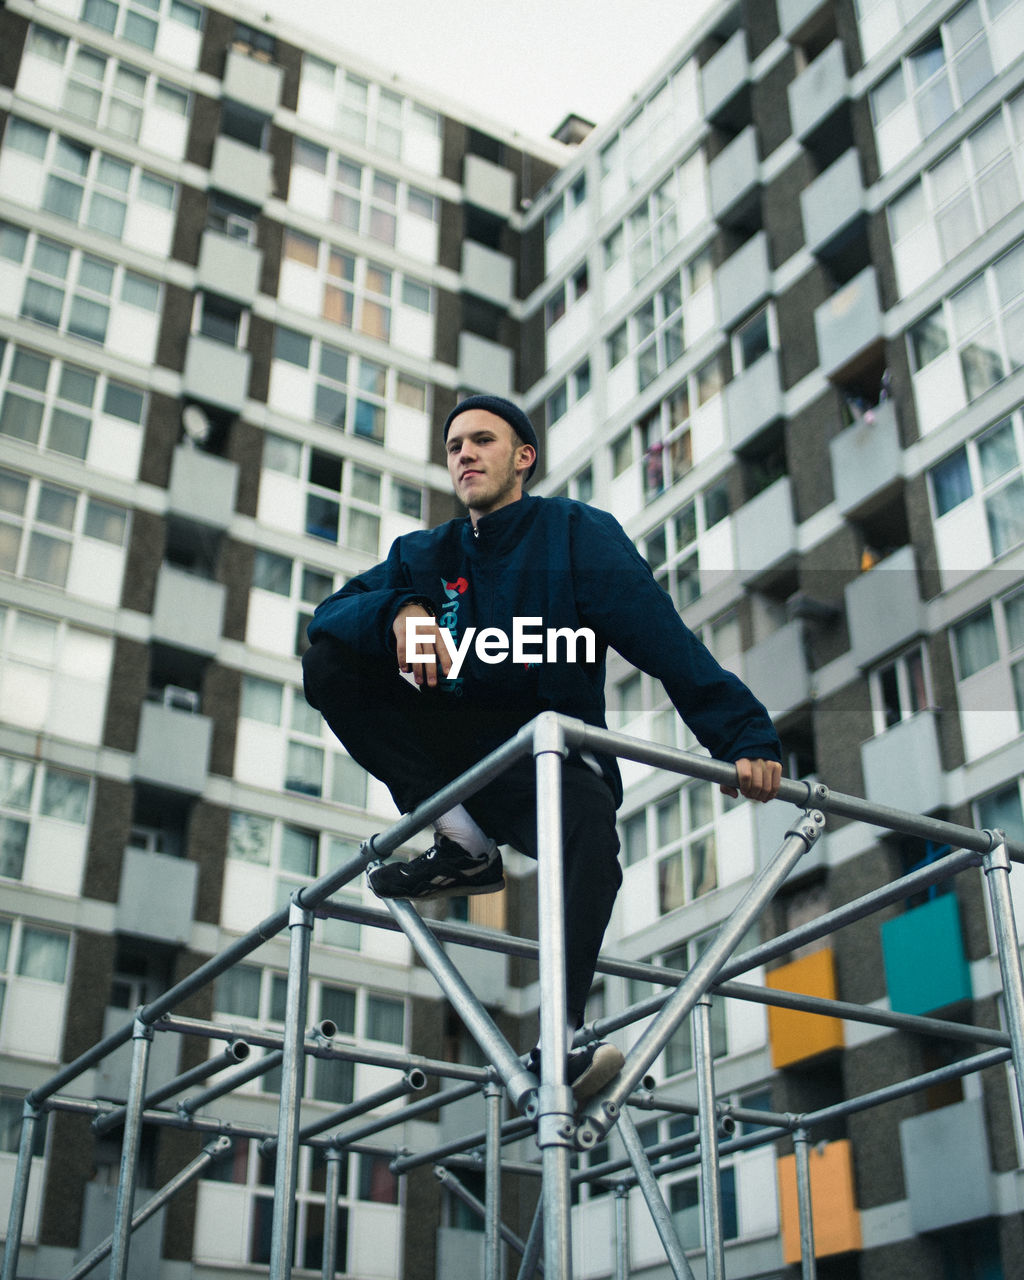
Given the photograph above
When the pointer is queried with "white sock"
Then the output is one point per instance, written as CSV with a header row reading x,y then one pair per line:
x,y
458,825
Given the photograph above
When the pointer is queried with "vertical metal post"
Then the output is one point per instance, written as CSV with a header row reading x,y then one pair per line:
x,y
621,1233
300,924
651,1192
555,1105
19,1195
710,1174
493,1095
997,872
131,1138
332,1194
801,1146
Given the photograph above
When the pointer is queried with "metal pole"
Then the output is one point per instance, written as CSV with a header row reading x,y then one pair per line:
x,y
651,1192
19,1195
710,1175
213,1151
621,1232
237,1051
555,1102
286,1173
451,1183
332,1194
601,1112
801,1146
477,1020
493,1094
189,1106
142,1040
531,1263
997,873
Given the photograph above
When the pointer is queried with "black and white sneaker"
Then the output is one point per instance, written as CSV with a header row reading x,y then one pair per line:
x,y
588,1068
444,871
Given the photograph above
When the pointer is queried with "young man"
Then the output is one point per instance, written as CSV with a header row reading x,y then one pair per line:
x,y
524,568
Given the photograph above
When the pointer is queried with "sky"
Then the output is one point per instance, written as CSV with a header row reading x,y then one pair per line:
x,y
523,63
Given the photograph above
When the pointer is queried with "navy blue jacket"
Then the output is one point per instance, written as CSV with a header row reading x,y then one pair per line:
x,y
572,566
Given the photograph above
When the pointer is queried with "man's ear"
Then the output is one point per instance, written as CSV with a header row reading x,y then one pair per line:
x,y
526,455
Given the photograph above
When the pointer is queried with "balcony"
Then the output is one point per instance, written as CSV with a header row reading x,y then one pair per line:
x,y
884,608
765,530
923,952
216,373
833,204
484,365
929,1142
157,895
252,81
793,14
795,1036
753,400
202,487
229,267
488,185
902,766
776,669
188,611
113,1072
848,322
816,94
173,749
866,458
743,280
725,75
487,273
734,177
241,170
834,1214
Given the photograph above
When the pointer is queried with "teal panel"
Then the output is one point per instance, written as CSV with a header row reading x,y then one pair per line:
x,y
923,950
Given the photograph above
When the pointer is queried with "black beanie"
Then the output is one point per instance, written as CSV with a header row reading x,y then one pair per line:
x,y
505,410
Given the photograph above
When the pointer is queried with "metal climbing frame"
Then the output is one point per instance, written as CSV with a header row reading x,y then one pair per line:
x,y
545,1109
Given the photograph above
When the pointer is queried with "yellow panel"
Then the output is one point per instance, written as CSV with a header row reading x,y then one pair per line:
x,y
833,1209
795,1036
488,910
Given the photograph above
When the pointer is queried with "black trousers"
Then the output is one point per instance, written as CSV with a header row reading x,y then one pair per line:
x,y
417,740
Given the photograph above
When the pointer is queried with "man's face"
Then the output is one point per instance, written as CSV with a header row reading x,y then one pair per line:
x,y
486,460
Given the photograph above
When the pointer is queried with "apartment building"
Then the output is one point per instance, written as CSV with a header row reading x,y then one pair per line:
x,y
768,315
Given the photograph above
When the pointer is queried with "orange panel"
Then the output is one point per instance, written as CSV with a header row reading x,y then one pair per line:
x,y
833,1209
795,1036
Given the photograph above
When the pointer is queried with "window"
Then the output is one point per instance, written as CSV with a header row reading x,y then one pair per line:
x,y
899,689
567,394
349,392
1002,810
944,71
657,329
74,291
986,473
678,832
351,291
666,441
752,339
369,114
653,229
29,792
41,523
277,575
963,195
222,319
86,185
990,635
137,21
982,322
244,124
294,857
305,758
233,218
55,404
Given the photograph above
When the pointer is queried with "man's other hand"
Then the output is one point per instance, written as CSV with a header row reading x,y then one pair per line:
x,y
428,642
756,779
